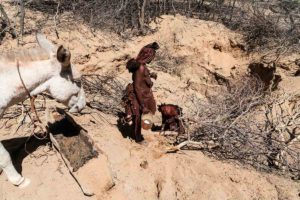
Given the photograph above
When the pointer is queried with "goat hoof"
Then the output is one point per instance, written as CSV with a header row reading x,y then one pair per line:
x,y
24,183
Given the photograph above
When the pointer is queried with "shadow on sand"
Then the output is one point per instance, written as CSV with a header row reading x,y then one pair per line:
x,y
16,148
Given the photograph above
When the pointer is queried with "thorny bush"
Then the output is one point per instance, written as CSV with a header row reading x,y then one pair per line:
x,y
249,125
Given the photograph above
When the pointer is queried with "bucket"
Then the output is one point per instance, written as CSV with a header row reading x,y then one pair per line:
x,y
147,122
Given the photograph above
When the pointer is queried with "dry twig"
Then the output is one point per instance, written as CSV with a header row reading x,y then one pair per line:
x,y
104,93
249,125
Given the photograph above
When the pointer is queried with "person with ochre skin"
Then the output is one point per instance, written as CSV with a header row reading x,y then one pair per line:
x,y
171,115
139,97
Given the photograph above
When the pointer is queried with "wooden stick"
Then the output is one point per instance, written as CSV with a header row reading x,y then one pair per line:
x,y
200,145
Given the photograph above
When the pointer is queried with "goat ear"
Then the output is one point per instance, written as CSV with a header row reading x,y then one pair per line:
x,y
63,56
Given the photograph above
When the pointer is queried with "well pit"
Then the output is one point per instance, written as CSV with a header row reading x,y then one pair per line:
x,y
74,143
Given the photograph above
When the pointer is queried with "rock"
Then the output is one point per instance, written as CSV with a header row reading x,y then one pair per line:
x,y
144,164
218,46
235,44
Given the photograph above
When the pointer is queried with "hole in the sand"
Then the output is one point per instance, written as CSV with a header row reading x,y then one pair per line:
x,y
73,142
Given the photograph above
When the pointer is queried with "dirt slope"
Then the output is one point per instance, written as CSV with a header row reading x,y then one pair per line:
x,y
145,171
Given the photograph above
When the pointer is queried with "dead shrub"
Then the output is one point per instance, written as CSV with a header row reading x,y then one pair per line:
x,y
248,125
104,93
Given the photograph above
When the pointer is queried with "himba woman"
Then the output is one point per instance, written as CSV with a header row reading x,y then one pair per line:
x,y
139,99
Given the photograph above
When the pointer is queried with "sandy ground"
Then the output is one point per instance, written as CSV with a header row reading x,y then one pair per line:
x,y
145,171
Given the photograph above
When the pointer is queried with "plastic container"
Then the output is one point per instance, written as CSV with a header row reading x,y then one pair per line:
x,y
147,124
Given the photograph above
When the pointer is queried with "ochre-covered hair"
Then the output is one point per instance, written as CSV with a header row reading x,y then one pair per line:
x,y
147,53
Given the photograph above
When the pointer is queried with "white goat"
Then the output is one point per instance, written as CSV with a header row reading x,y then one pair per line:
x,y
55,74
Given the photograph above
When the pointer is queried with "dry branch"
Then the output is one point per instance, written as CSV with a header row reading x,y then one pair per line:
x,y
248,125
6,25
104,93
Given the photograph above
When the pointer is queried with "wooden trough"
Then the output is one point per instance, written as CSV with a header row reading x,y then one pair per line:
x,y
86,163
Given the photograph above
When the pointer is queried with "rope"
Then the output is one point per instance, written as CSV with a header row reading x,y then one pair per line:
x,y
33,108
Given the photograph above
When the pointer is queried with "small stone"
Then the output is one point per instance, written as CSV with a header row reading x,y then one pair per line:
x,y
233,43
218,46
144,164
